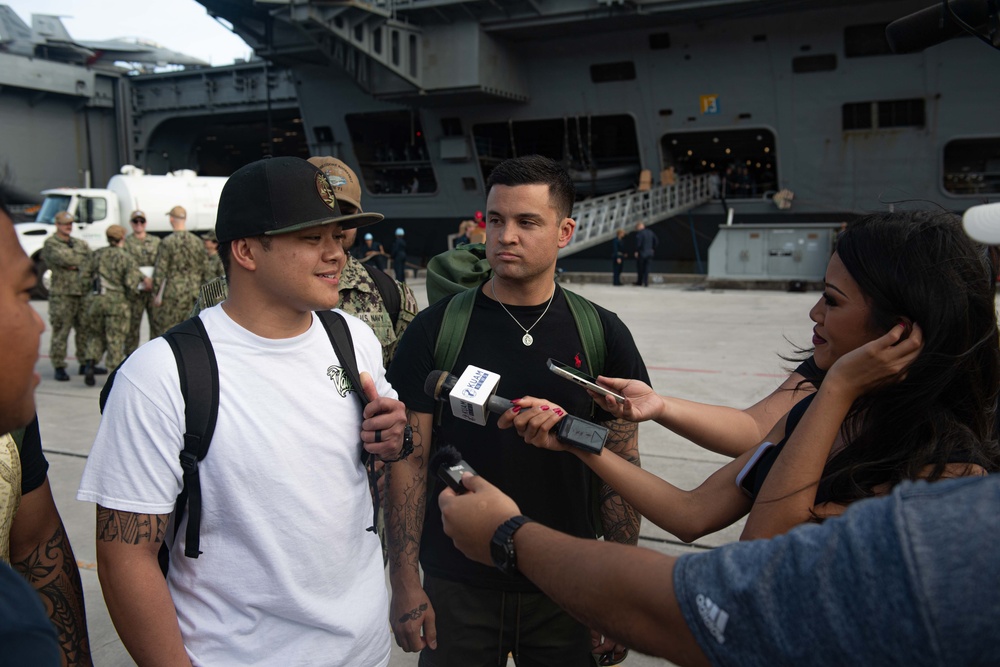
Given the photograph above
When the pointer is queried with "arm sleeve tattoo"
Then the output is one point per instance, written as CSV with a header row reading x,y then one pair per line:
x,y
52,570
130,528
621,522
407,484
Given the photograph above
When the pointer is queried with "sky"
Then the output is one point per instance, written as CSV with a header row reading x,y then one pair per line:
x,y
179,25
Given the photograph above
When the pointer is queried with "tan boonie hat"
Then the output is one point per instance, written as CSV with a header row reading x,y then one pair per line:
x,y
115,233
342,179
178,212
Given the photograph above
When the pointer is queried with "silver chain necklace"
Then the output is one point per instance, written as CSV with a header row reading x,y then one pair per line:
x,y
526,339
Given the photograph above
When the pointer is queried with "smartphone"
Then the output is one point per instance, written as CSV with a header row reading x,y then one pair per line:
x,y
582,379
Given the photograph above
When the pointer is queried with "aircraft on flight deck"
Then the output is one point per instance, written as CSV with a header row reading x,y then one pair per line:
x,y
47,37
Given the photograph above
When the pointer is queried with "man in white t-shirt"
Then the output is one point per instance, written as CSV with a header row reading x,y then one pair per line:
x,y
289,573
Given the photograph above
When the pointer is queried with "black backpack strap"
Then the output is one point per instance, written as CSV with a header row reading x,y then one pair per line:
x,y
340,336
199,383
389,290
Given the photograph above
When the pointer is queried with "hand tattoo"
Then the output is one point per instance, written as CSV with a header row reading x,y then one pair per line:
x,y
413,614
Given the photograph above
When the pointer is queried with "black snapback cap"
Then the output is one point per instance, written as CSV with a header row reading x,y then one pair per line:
x,y
279,195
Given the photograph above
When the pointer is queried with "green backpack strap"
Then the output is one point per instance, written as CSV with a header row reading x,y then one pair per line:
x,y
451,335
591,330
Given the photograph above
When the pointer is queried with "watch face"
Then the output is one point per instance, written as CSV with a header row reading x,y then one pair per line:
x,y
498,554
502,554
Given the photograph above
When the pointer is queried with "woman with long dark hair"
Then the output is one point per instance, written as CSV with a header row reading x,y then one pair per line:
x,y
906,332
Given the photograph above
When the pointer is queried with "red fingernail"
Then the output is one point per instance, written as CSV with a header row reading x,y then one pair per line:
x,y
558,412
516,401
515,409
545,407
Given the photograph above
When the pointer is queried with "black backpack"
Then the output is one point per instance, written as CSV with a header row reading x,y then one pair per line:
x,y
199,384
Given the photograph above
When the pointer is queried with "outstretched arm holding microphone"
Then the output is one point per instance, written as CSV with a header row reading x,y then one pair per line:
x,y
718,428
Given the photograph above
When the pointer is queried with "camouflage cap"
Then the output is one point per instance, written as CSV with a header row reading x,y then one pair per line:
x,y
210,236
137,213
342,179
178,212
115,233
63,217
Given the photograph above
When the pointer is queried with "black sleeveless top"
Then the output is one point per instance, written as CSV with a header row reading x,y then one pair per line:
x,y
751,478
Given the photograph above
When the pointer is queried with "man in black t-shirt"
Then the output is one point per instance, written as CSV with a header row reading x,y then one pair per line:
x,y
466,613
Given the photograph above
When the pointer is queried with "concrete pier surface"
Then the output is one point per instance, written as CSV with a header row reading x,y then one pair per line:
x,y
716,346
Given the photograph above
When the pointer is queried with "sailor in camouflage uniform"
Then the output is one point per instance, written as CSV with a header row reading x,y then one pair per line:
x,y
359,294
215,269
180,269
69,259
143,249
116,276
360,297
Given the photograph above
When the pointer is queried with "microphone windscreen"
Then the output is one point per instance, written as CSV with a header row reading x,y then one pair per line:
x,y
444,456
448,466
439,384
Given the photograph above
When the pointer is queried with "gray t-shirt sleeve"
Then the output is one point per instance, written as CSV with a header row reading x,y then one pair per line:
x,y
907,580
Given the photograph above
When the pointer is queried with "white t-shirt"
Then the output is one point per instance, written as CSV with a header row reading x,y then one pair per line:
x,y
288,574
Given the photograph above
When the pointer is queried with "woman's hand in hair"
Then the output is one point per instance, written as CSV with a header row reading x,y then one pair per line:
x,y
641,402
877,362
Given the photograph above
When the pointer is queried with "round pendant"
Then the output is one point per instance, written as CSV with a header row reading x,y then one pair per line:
x,y
527,340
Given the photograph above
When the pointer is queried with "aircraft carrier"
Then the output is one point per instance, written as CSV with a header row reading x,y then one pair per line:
x,y
803,100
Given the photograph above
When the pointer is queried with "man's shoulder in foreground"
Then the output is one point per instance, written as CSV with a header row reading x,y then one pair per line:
x,y
893,580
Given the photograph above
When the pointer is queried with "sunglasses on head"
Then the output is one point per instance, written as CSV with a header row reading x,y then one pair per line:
x,y
139,221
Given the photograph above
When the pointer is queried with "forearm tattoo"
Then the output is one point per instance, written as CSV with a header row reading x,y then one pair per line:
x,y
52,570
621,522
407,501
130,528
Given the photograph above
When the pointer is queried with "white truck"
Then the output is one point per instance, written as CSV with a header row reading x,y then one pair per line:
x,y
95,209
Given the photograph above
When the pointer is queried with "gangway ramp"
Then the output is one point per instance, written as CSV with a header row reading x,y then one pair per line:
x,y
599,219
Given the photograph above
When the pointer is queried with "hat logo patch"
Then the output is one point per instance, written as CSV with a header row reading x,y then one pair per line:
x,y
325,190
336,180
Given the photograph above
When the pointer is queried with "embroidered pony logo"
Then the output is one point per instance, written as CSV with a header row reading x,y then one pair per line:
x,y
577,360
340,380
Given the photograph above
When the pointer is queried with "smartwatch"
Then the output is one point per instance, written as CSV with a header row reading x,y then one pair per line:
x,y
502,544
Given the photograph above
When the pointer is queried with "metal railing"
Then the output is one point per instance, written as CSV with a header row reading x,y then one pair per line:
x,y
599,219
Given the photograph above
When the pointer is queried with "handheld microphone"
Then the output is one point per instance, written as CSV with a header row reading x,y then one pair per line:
x,y
472,397
448,465
475,396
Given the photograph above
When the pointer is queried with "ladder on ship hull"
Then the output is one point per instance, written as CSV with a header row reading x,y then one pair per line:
x,y
599,219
